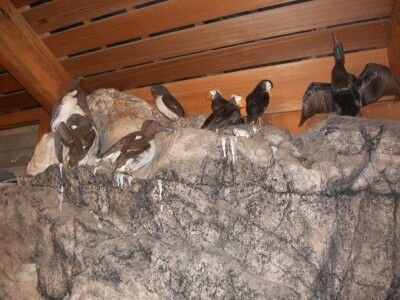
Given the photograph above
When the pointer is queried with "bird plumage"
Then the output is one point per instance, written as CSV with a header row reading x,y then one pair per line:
x,y
347,94
257,101
166,103
217,100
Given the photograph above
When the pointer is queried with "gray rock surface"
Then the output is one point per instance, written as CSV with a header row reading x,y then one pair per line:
x,y
273,216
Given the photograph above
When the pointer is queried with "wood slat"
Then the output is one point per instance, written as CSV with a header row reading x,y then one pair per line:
x,y
394,40
14,102
44,123
360,36
387,110
57,14
20,3
142,22
284,20
18,119
9,83
290,82
28,59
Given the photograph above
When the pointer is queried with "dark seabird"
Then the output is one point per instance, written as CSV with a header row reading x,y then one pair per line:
x,y
347,94
217,100
166,103
227,115
134,150
257,101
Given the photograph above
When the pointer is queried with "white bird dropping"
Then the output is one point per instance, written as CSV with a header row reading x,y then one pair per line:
x,y
61,197
223,142
160,191
61,167
233,150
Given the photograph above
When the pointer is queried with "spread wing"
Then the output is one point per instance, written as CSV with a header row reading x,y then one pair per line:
x,y
317,99
377,81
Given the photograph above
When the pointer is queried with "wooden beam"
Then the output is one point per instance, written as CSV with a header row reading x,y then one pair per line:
x,y
393,44
28,59
44,123
315,43
9,84
22,118
20,3
17,101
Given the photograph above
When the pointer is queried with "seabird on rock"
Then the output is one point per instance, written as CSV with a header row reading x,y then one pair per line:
x,y
166,103
228,114
134,150
257,101
347,94
217,100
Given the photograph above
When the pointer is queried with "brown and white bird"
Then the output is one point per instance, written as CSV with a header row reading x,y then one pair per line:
x,y
347,94
166,103
228,114
217,100
257,101
134,150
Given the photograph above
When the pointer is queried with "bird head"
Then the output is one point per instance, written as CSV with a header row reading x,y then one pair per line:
x,y
214,94
266,85
150,128
338,50
158,90
238,100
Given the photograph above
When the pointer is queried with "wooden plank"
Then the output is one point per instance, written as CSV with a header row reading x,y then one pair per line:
x,y
57,14
28,59
394,40
8,83
387,110
20,3
19,141
16,158
44,123
316,43
290,82
18,119
284,20
17,101
152,19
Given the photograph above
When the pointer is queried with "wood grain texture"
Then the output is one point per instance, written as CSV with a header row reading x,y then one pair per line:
x,y
20,3
28,59
8,83
14,102
60,13
316,43
386,110
284,20
290,82
22,118
152,19
394,40
44,123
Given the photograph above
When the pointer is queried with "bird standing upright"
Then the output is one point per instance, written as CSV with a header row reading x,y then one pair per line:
x,y
347,94
217,100
228,114
166,103
257,101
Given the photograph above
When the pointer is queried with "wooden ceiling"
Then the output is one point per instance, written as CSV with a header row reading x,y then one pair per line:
x,y
194,45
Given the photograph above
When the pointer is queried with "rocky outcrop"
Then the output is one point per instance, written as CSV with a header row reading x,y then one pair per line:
x,y
216,216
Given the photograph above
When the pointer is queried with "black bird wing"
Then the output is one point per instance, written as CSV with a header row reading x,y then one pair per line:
x,y
228,114
118,146
317,99
218,102
256,104
131,149
172,104
375,82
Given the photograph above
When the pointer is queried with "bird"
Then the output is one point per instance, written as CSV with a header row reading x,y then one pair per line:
x,y
134,150
257,101
347,94
217,100
166,103
76,139
228,114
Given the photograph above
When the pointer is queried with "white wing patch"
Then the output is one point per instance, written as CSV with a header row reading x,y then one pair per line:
x,y
133,164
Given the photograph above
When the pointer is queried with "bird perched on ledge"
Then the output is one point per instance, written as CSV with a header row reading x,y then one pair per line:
x,y
217,100
228,114
257,101
166,103
134,150
347,94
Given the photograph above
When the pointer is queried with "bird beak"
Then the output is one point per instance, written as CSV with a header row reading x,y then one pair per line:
x,y
335,42
242,103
